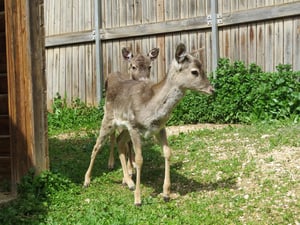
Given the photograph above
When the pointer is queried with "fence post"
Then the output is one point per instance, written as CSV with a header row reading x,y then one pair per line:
x,y
99,61
215,36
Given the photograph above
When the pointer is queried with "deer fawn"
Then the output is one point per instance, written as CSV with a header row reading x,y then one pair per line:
x,y
139,69
142,108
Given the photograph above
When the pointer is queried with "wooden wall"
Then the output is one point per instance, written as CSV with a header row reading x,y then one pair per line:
x,y
5,138
144,24
70,69
26,87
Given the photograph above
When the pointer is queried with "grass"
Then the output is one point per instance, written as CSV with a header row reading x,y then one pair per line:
x,y
235,175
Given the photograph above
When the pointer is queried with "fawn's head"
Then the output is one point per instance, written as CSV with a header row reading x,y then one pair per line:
x,y
188,72
140,65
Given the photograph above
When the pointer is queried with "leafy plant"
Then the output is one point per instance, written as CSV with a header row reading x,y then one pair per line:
x,y
77,115
243,94
34,197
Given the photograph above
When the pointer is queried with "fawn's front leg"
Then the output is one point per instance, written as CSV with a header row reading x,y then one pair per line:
x,y
137,146
162,137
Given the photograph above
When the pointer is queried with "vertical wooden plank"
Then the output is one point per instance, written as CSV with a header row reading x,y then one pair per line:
x,y
116,56
138,9
278,42
116,44
192,8
47,17
252,43
243,54
269,41
115,12
296,48
26,87
123,42
208,51
154,68
168,10
55,74
130,12
88,73
169,45
176,9
81,73
123,13
75,51
90,94
161,60
184,9
62,72
260,53
269,46
201,35
251,37
49,60
146,11
201,8
152,11
69,72
68,16
288,41
81,52
234,35
57,17
51,25
260,3
94,82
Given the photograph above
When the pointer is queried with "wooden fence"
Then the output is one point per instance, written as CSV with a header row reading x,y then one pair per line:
x,y
266,32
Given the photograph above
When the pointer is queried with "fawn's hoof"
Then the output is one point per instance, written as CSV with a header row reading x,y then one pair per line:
x,y
110,167
166,198
86,183
131,188
138,204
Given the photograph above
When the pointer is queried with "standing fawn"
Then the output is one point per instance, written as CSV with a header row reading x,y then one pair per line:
x,y
142,108
139,69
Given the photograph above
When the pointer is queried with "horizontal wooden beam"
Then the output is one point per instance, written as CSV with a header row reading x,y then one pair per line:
x,y
70,38
196,23
155,28
261,14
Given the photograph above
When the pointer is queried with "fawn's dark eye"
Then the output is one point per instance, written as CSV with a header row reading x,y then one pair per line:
x,y
195,72
133,67
149,68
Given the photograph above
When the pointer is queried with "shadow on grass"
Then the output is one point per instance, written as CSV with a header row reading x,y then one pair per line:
x,y
71,157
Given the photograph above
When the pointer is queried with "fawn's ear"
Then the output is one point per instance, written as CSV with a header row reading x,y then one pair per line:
x,y
180,53
127,54
153,54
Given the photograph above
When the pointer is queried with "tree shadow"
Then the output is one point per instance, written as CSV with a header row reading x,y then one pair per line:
x,y
181,184
70,157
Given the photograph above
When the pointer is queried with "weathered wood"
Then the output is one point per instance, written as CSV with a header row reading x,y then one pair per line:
x,y
288,41
70,38
296,44
26,87
2,21
4,140
261,14
4,104
250,31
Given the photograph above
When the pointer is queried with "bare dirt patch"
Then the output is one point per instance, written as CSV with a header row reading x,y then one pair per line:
x,y
175,130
